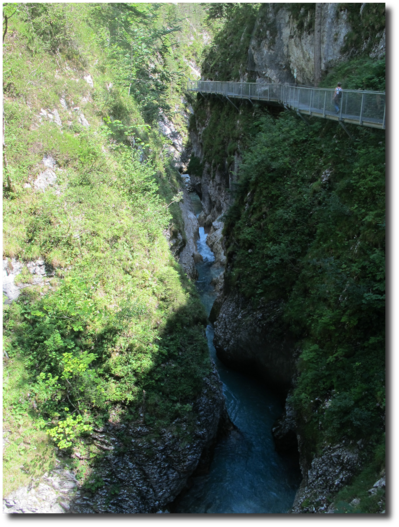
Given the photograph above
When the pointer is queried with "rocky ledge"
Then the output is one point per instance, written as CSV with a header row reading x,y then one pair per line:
x,y
247,338
141,470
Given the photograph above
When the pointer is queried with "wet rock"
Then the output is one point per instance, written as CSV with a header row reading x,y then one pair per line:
x,y
201,219
284,431
215,241
254,339
188,255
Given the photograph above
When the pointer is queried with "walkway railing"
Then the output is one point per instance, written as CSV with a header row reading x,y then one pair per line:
x,y
364,108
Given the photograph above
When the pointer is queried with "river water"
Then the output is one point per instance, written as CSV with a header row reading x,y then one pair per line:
x,y
246,475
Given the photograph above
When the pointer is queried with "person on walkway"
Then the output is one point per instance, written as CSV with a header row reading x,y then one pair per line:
x,y
337,97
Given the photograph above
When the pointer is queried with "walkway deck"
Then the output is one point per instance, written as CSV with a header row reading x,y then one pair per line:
x,y
363,108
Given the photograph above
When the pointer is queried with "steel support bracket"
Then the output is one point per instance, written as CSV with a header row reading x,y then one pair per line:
x,y
232,103
303,118
346,130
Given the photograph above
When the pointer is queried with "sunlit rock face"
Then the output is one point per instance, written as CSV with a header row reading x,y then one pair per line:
x,y
278,47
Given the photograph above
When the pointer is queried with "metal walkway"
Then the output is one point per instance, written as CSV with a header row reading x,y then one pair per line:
x,y
364,108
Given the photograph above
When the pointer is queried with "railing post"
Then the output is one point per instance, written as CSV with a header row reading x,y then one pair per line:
x,y
341,106
361,111
310,102
324,107
383,119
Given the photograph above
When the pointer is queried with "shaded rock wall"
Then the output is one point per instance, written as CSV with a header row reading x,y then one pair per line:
x,y
246,338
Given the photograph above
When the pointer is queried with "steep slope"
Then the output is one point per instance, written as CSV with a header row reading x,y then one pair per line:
x,y
105,354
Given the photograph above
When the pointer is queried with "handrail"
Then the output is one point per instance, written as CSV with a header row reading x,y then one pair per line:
x,y
361,107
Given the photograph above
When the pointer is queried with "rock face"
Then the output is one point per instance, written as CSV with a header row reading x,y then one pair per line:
x,y
137,474
52,495
189,255
212,186
244,338
284,431
215,242
12,268
327,474
278,47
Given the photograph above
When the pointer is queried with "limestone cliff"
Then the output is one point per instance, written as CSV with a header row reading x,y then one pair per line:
x,y
280,46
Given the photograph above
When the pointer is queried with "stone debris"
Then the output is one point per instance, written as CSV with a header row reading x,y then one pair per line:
x,y
89,80
51,115
45,179
83,121
12,268
64,103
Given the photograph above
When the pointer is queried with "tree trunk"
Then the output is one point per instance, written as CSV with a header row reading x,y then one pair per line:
x,y
317,44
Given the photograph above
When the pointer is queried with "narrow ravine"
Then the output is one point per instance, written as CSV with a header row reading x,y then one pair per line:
x,y
246,475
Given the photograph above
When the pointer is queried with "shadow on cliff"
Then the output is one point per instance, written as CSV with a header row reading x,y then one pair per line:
x,y
142,455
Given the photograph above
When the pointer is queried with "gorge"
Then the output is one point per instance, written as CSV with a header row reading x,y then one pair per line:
x,y
195,296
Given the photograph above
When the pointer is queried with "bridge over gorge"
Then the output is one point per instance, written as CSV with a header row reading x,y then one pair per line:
x,y
363,108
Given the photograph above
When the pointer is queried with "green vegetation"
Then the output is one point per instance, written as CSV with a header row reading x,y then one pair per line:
x,y
195,167
357,74
367,22
226,131
226,58
308,229
116,333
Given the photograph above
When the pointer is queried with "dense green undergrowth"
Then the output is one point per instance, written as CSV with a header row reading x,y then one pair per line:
x,y
115,333
307,229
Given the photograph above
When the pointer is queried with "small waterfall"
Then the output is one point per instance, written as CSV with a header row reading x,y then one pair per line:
x,y
246,475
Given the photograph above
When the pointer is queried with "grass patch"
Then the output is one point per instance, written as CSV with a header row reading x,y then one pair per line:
x,y
28,450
